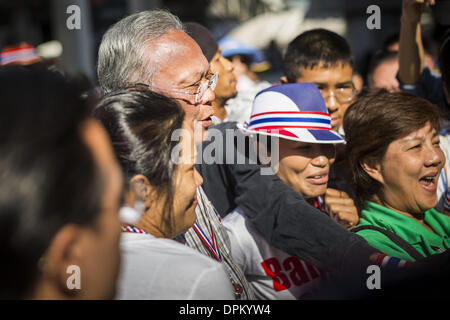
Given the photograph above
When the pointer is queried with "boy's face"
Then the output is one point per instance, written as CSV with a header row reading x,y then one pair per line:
x,y
331,81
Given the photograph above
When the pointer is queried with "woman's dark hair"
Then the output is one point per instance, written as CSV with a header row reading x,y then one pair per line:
x,y
313,48
140,123
48,176
373,122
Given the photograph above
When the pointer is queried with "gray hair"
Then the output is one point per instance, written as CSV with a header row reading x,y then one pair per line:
x,y
121,56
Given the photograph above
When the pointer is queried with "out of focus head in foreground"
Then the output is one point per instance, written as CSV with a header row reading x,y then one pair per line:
x,y
60,187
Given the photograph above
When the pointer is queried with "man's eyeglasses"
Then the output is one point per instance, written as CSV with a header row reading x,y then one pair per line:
x,y
209,82
343,94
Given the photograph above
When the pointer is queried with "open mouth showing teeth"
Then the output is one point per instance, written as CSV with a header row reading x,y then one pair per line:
x,y
428,180
318,179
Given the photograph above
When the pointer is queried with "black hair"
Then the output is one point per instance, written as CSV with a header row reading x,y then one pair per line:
x,y
390,40
48,176
394,38
444,60
379,58
140,124
317,47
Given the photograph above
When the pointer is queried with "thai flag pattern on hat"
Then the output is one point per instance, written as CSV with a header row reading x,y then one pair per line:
x,y
23,54
293,111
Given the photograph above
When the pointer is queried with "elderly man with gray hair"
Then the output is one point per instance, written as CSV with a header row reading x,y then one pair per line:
x,y
150,48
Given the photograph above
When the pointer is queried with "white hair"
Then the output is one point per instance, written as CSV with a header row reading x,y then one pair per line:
x,y
121,56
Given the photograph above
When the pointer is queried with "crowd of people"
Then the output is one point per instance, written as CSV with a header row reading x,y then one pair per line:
x,y
115,183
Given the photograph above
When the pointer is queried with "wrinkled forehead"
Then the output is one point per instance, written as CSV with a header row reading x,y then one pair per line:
x,y
178,59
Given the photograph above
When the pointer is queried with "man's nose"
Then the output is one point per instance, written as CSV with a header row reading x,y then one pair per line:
x,y
208,97
332,103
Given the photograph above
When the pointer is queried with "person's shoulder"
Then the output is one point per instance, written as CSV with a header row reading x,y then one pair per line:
x,y
442,218
382,242
155,268
168,254
234,217
368,221
150,246
371,235
237,223
244,232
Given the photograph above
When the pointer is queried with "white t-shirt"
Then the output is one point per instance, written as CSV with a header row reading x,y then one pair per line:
x,y
274,274
163,269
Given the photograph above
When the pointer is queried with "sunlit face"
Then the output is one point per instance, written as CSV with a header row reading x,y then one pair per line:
x,y
384,76
226,85
305,166
182,67
239,66
329,80
410,169
187,179
101,250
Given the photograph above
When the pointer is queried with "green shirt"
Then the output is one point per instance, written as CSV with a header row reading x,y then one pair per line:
x,y
422,239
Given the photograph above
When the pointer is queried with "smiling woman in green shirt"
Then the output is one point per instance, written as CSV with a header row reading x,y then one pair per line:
x,y
393,150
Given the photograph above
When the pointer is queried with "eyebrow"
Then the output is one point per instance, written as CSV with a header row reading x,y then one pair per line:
x,y
202,74
345,82
338,84
405,140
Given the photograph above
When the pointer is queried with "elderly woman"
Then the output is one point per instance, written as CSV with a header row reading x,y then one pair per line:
x,y
160,174
393,149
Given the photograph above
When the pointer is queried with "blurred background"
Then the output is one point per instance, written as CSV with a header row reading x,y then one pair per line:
x,y
266,25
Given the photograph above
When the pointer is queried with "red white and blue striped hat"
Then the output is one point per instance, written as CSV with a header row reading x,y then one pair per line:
x,y
22,54
294,111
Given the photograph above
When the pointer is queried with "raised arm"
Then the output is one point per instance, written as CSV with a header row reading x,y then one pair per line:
x,y
411,53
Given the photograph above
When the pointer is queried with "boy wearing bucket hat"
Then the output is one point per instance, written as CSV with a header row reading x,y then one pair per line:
x,y
297,115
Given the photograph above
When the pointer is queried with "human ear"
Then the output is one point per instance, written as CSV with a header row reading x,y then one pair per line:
x,y
283,80
373,169
140,185
65,251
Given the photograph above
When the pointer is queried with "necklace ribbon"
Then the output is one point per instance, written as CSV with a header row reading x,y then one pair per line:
x,y
132,229
211,245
